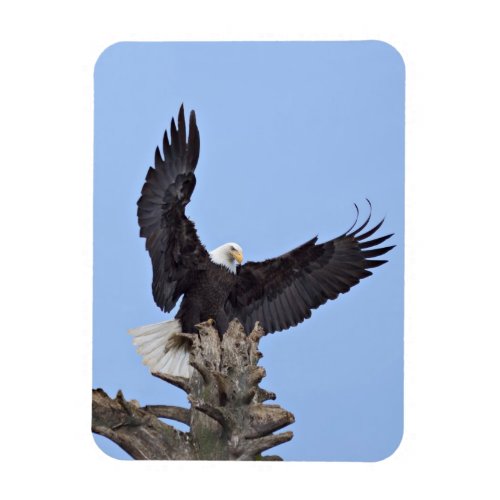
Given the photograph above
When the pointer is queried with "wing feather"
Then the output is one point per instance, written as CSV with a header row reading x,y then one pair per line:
x,y
282,292
171,238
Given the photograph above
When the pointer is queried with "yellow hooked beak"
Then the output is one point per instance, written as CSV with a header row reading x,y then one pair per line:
x,y
238,256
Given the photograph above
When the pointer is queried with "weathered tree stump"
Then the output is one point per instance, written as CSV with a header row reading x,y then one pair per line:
x,y
228,419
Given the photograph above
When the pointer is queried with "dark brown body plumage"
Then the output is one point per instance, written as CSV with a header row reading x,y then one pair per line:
x,y
208,298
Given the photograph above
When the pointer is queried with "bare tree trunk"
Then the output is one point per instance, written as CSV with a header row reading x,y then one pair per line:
x,y
228,418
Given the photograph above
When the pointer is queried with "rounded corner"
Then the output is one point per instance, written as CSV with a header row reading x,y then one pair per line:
x,y
104,53
394,50
102,450
393,450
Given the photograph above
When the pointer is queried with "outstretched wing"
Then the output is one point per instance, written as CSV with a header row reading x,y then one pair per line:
x,y
171,239
281,292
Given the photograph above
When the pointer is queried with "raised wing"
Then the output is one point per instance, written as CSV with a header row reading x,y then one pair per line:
x,y
171,239
281,292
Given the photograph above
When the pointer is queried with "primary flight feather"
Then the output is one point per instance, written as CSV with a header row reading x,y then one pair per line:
x,y
279,292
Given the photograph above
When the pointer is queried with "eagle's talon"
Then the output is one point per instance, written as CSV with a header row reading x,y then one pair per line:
x,y
203,324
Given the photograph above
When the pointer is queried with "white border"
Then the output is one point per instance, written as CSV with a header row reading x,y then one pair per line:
x,y
451,366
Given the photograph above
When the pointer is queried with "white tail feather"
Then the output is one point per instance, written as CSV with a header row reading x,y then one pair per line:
x,y
151,341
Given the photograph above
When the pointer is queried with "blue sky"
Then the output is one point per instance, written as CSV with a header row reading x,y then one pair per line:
x,y
292,134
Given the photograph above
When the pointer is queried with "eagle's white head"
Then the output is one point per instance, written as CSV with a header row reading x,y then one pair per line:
x,y
227,255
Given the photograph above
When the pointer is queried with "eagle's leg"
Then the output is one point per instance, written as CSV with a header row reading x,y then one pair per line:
x,y
213,323
218,321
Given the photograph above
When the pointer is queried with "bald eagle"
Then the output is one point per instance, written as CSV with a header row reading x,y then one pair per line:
x,y
278,292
